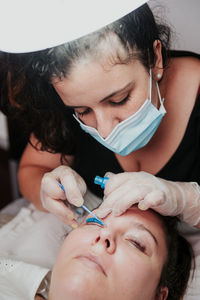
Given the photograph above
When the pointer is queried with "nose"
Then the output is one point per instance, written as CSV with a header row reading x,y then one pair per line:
x,y
105,239
105,123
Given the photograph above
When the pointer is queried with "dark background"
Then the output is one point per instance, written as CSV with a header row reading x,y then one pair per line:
x,y
5,185
9,160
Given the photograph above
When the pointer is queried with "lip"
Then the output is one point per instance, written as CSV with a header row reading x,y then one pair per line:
x,y
92,261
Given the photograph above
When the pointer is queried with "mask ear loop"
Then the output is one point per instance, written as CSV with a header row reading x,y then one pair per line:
x,y
158,90
150,84
159,95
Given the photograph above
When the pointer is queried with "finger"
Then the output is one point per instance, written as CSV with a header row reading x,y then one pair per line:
x,y
72,191
102,213
109,174
81,184
152,200
62,171
106,207
122,198
58,207
115,181
50,187
129,198
115,197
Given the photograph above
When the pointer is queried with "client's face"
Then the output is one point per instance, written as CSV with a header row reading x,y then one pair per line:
x,y
122,260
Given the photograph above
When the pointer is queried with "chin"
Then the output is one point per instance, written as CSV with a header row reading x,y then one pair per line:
x,y
78,285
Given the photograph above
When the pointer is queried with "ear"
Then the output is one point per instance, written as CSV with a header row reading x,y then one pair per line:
x,y
162,293
157,70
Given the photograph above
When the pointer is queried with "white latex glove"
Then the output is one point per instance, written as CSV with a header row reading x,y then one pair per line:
x,y
166,197
53,197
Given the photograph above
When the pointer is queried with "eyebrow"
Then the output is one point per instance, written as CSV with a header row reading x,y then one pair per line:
x,y
116,92
144,228
107,97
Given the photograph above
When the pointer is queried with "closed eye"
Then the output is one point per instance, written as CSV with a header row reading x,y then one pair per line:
x,y
122,102
138,245
88,110
83,113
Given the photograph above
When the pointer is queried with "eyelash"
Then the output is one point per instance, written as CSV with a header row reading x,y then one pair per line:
x,y
138,245
122,102
81,114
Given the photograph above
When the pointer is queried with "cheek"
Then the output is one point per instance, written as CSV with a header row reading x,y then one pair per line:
x,y
71,242
78,241
134,276
137,99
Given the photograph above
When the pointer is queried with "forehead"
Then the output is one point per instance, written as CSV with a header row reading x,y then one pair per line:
x,y
148,215
90,82
149,218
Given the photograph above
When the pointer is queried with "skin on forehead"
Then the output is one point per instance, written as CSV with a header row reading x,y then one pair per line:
x,y
127,269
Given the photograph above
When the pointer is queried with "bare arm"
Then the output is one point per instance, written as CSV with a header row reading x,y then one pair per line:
x,y
33,165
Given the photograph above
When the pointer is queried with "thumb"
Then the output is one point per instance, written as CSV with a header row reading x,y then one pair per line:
x,y
109,174
143,205
104,209
103,212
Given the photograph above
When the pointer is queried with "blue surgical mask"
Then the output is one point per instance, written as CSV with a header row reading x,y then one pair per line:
x,y
134,132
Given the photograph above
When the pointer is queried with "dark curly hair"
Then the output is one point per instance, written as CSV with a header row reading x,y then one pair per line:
x,y
27,92
180,260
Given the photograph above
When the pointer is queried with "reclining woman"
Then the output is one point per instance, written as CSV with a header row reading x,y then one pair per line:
x,y
137,256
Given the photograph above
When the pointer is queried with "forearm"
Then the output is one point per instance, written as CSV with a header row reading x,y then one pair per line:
x,y
183,199
191,210
33,165
29,178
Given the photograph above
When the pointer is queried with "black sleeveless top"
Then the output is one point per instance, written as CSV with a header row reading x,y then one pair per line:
x,y
91,158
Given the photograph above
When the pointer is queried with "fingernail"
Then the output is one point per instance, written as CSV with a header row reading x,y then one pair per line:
x,y
79,203
70,216
142,206
108,174
74,225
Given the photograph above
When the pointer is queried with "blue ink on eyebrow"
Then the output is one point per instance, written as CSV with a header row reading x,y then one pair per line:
x,y
95,221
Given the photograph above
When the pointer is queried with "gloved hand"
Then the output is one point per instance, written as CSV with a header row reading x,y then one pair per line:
x,y
166,197
53,197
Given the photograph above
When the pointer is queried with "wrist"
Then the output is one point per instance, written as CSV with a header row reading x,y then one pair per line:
x,y
190,211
